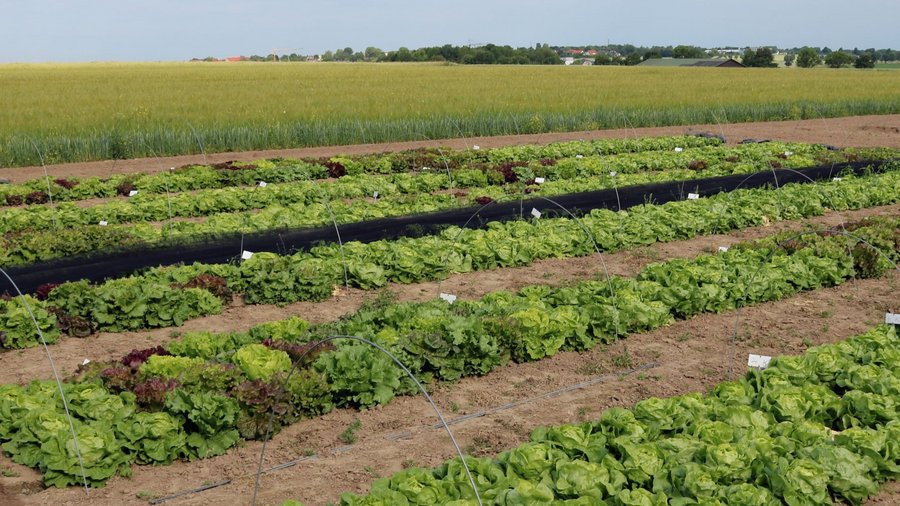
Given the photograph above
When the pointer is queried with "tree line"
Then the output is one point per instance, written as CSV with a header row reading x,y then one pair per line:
x,y
610,54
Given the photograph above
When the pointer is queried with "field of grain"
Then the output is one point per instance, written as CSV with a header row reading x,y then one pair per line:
x,y
79,112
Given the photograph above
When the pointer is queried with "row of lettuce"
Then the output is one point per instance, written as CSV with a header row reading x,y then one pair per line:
x,y
157,207
41,233
168,296
280,170
808,431
205,391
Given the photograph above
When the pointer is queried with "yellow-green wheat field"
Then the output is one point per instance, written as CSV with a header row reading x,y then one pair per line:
x,y
76,112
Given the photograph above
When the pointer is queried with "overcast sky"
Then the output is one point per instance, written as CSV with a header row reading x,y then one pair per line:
x,y
135,30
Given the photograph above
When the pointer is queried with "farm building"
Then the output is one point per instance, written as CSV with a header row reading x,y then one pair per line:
x,y
691,62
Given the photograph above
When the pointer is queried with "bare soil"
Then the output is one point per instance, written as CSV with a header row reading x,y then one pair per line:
x,y
856,131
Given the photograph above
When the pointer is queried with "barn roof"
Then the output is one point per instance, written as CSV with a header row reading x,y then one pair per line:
x,y
690,62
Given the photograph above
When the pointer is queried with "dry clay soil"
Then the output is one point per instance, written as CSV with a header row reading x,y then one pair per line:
x,y
687,356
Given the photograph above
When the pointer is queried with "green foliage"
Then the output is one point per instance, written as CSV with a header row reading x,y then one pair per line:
x,y
762,57
17,329
133,303
259,362
170,367
360,376
292,329
865,60
153,438
838,59
209,421
808,57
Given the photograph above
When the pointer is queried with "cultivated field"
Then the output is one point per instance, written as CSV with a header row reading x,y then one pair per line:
x,y
99,111
686,256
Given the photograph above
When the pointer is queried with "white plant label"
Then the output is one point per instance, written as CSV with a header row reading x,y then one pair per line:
x,y
693,196
579,156
132,193
375,195
103,223
476,147
449,297
535,213
539,180
758,361
612,174
679,150
788,153
86,361
892,318
723,249
246,255
837,179
263,184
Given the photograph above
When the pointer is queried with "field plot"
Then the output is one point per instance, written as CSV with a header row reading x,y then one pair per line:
x,y
105,111
540,319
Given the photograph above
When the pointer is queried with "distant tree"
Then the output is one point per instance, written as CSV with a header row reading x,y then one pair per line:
x,y
546,56
865,61
603,59
762,57
808,57
838,59
789,59
328,56
632,59
403,54
373,53
652,54
688,52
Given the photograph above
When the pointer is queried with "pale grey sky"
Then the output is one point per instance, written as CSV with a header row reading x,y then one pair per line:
x,y
135,30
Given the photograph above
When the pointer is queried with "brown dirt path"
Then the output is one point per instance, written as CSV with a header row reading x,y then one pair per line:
x,y
857,131
691,356
22,366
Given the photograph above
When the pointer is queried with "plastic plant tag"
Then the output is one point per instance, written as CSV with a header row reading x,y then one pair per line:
x,y
837,179
246,255
723,249
788,153
449,297
263,184
132,193
613,174
86,361
539,180
476,147
892,318
579,156
758,361
535,212
375,195
679,150
103,223
693,196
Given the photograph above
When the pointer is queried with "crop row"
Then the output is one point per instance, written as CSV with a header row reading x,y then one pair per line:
x,y
205,391
229,174
805,431
33,233
166,296
155,207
